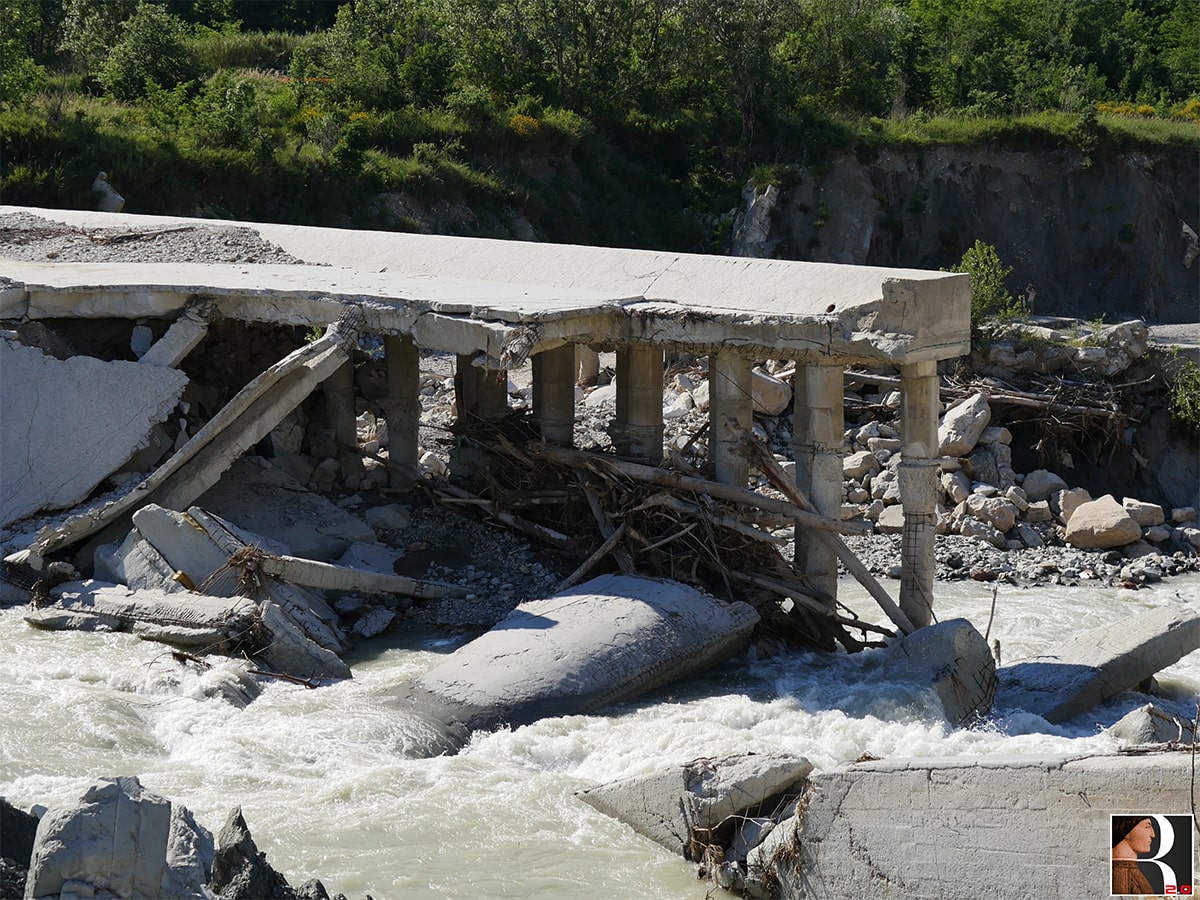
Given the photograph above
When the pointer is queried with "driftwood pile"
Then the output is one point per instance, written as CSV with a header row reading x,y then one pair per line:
x,y
669,522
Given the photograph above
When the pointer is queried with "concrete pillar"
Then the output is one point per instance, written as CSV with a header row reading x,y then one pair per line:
x,y
817,448
638,430
403,406
730,414
918,489
554,394
480,393
587,362
338,389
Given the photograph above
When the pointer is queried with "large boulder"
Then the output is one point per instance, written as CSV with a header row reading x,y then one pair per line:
x,y
955,660
962,425
1101,525
1144,513
240,870
998,512
772,396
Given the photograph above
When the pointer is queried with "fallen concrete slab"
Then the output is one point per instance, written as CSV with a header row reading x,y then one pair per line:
x,y
1098,664
1000,827
241,423
607,640
79,420
700,803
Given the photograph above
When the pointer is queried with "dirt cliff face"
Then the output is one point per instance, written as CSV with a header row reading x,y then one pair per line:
x,y
1093,235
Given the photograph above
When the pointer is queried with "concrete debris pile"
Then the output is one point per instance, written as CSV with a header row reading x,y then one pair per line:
x,y
120,840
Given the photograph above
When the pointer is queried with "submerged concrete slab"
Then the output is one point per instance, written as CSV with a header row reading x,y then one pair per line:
x,y
1099,664
610,639
682,807
1002,827
69,424
955,660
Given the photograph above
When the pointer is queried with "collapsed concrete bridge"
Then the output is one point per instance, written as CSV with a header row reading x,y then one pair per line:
x,y
497,304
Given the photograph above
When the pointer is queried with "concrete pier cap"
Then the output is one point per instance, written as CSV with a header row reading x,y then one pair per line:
x,y
503,302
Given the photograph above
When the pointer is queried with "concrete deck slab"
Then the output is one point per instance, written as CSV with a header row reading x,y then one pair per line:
x,y
596,294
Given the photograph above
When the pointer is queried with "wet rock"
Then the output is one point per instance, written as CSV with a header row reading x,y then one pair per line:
x,y
240,870
18,830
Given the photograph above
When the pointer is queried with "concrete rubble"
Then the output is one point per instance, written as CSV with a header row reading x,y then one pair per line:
x,y
1097,665
1150,725
607,640
704,803
121,840
953,659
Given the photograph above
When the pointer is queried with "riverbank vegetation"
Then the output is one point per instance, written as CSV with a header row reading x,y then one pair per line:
x,y
626,122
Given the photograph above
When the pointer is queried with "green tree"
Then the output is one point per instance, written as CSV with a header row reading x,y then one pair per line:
x,y
91,28
152,47
990,297
21,29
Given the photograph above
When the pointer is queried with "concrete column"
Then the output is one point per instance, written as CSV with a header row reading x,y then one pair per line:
x,y
918,489
587,362
730,414
817,449
554,394
480,393
638,430
338,389
403,407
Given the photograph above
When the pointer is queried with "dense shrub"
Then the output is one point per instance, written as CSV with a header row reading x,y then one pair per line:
x,y
152,47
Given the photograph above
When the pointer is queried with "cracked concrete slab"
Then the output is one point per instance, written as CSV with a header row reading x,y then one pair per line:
x,y
71,423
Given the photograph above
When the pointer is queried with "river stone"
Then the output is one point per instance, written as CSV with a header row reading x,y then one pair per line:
x,y
973,528
671,805
995,511
961,426
1101,525
240,870
1066,502
1182,514
1039,511
18,830
957,486
1145,514
772,396
856,465
891,520
1041,483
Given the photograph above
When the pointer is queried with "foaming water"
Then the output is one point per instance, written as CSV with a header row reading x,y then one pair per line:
x,y
328,791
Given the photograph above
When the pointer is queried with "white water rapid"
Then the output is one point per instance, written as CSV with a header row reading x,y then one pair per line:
x,y
327,792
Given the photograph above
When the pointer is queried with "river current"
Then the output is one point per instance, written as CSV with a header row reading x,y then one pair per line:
x,y
327,791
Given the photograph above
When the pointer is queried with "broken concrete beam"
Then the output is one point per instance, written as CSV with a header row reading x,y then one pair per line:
x,y
201,546
182,337
80,420
193,620
1099,664
342,578
683,807
927,828
955,660
607,640
242,422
